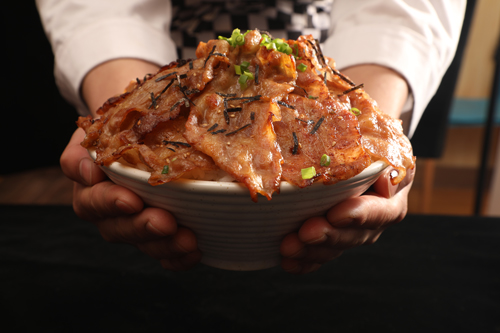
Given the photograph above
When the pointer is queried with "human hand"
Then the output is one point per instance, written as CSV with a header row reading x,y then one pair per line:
x,y
351,223
120,215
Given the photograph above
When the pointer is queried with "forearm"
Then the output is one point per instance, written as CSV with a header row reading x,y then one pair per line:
x,y
384,85
111,78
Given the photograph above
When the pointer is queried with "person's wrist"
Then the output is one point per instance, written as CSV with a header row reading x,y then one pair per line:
x,y
111,78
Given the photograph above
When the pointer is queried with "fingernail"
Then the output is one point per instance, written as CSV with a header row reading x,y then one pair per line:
x,y
317,240
85,169
392,188
151,228
124,207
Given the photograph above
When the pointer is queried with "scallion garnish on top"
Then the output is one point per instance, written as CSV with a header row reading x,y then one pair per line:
x,y
355,111
237,38
302,67
325,160
277,44
308,173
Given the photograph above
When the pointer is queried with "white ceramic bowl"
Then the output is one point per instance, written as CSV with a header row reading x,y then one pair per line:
x,y
232,231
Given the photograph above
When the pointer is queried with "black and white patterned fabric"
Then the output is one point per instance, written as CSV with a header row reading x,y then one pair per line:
x,y
201,20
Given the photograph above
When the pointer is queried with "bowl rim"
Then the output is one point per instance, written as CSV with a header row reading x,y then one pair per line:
x,y
142,176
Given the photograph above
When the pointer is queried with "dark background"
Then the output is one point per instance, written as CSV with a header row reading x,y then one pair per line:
x,y
36,121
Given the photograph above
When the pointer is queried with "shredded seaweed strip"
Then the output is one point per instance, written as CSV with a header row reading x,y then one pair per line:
x,y
182,100
257,74
239,129
286,105
138,81
295,144
317,49
172,149
219,54
252,116
318,124
225,95
214,126
245,99
153,101
234,109
192,91
342,76
184,89
177,143
181,62
209,55
191,64
163,77
352,89
219,131
305,91
308,122
166,87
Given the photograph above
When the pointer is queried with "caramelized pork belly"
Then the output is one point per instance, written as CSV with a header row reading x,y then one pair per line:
x,y
260,113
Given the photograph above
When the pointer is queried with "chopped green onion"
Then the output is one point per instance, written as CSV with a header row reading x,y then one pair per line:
x,y
301,67
312,97
355,111
244,65
236,38
165,170
325,160
249,75
237,69
277,44
308,173
243,81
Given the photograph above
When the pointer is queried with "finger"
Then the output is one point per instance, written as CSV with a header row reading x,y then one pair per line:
x,y
348,238
294,266
104,200
178,245
77,164
378,208
182,263
292,247
150,224
321,237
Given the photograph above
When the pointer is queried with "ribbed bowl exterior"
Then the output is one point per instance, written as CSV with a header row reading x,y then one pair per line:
x,y
232,231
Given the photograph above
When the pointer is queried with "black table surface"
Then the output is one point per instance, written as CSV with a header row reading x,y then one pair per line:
x,y
426,274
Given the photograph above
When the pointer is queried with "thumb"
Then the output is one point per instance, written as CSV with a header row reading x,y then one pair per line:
x,y
77,164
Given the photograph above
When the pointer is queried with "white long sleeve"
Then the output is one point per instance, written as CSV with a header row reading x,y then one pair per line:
x,y
416,38
86,33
